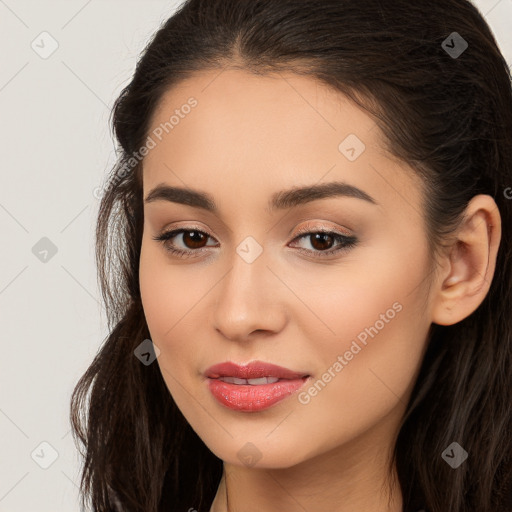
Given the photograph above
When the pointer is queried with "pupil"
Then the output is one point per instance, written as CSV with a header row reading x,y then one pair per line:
x,y
320,236
195,243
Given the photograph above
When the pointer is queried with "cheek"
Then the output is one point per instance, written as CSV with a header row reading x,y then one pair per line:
x,y
361,384
364,306
162,295
377,332
154,300
167,291
166,300
172,296
376,290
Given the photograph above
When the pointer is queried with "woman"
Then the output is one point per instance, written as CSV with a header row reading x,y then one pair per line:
x,y
301,253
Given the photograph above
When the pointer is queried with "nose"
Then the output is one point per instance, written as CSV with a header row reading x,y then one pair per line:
x,y
249,301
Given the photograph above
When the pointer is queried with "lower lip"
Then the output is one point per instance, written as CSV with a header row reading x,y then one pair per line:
x,y
245,397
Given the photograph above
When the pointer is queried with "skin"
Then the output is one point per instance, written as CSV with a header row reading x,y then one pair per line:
x,y
248,137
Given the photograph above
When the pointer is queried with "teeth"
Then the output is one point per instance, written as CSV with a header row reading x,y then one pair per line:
x,y
233,380
252,382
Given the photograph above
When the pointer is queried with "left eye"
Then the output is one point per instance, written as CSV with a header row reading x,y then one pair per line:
x,y
319,240
194,240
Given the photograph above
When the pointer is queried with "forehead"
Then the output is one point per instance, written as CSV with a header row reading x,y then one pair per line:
x,y
241,105
268,132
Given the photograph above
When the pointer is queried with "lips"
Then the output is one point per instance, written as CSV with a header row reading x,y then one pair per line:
x,y
252,387
253,370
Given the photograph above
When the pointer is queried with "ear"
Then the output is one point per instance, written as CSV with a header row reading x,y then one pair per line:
x,y
469,263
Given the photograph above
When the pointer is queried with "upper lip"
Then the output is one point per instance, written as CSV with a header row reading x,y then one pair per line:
x,y
252,370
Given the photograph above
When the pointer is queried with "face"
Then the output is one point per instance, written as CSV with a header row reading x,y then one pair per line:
x,y
331,284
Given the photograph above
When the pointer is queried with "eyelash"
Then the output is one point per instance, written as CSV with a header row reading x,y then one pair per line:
x,y
347,242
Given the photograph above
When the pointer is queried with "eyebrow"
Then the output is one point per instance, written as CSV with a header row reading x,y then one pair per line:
x,y
281,200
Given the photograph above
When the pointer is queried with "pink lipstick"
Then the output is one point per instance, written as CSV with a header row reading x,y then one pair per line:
x,y
252,387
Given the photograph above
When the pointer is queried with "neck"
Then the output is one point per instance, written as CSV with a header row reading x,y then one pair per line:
x,y
349,479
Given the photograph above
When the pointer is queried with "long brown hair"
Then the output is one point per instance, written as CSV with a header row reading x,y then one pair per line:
x,y
449,116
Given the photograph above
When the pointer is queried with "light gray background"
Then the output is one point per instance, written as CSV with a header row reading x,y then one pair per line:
x,y
56,148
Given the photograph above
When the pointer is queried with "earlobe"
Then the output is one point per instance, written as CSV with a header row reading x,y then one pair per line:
x,y
470,263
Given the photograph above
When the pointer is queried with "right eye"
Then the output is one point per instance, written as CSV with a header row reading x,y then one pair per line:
x,y
190,236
